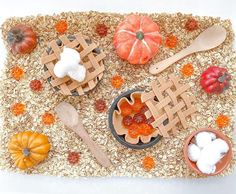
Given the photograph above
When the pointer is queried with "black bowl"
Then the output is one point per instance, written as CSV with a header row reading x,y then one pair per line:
x,y
121,138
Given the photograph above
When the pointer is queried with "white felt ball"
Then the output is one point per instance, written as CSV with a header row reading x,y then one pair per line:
x,y
59,70
213,135
202,139
70,55
69,65
210,155
205,168
220,145
78,73
193,152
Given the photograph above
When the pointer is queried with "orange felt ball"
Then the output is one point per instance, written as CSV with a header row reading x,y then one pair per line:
x,y
17,73
171,41
117,81
222,121
187,70
148,163
145,129
61,26
126,109
138,105
133,130
48,118
18,109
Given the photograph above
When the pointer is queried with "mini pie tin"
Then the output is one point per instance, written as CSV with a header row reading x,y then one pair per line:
x,y
121,138
59,43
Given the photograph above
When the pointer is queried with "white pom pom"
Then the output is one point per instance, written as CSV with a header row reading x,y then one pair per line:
x,y
221,146
211,151
59,69
70,55
210,155
213,135
205,168
78,73
69,65
193,152
202,139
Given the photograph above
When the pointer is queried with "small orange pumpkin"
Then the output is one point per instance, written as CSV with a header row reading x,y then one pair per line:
x,y
28,149
22,39
137,39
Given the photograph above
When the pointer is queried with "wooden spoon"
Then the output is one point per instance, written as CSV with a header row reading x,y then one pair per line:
x,y
69,116
208,39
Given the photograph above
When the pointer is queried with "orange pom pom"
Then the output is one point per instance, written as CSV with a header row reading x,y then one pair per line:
x,y
222,121
148,163
117,81
171,41
187,70
125,108
61,26
138,105
17,73
133,130
48,118
145,129
18,109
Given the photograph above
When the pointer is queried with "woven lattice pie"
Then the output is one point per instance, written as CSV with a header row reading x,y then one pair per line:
x,y
122,130
169,104
91,58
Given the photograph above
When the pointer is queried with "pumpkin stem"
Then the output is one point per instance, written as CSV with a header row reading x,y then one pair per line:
x,y
14,36
222,78
139,35
26,152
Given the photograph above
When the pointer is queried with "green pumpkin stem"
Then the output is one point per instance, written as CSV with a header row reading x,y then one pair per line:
x,y
222,78
14,36
140,35
26,152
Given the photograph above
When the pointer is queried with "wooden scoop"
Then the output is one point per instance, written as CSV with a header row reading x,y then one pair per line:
x,y
69,116
208,39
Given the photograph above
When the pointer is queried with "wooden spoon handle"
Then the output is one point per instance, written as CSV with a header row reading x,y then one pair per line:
x,y
101,157
162,65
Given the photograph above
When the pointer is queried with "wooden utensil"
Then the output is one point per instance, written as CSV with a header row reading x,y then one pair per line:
x,y
208,39
69,116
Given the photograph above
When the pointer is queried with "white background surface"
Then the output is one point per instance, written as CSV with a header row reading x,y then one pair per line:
x,y
15,183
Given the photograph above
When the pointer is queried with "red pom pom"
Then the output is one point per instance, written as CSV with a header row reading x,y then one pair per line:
x,y
100,105
127,121
73,157
36,85
191,24
139,118
101,30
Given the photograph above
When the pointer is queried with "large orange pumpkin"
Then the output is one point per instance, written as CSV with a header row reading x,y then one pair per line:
x,y
137,39
28,149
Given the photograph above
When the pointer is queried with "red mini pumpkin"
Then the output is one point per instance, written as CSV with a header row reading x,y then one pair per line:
x,y
22,39
214,80
137,39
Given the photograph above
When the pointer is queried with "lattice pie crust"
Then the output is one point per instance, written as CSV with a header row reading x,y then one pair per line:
x,y
169,104
91,58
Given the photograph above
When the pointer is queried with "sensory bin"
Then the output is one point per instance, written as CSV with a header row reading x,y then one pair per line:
x,y
28,99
